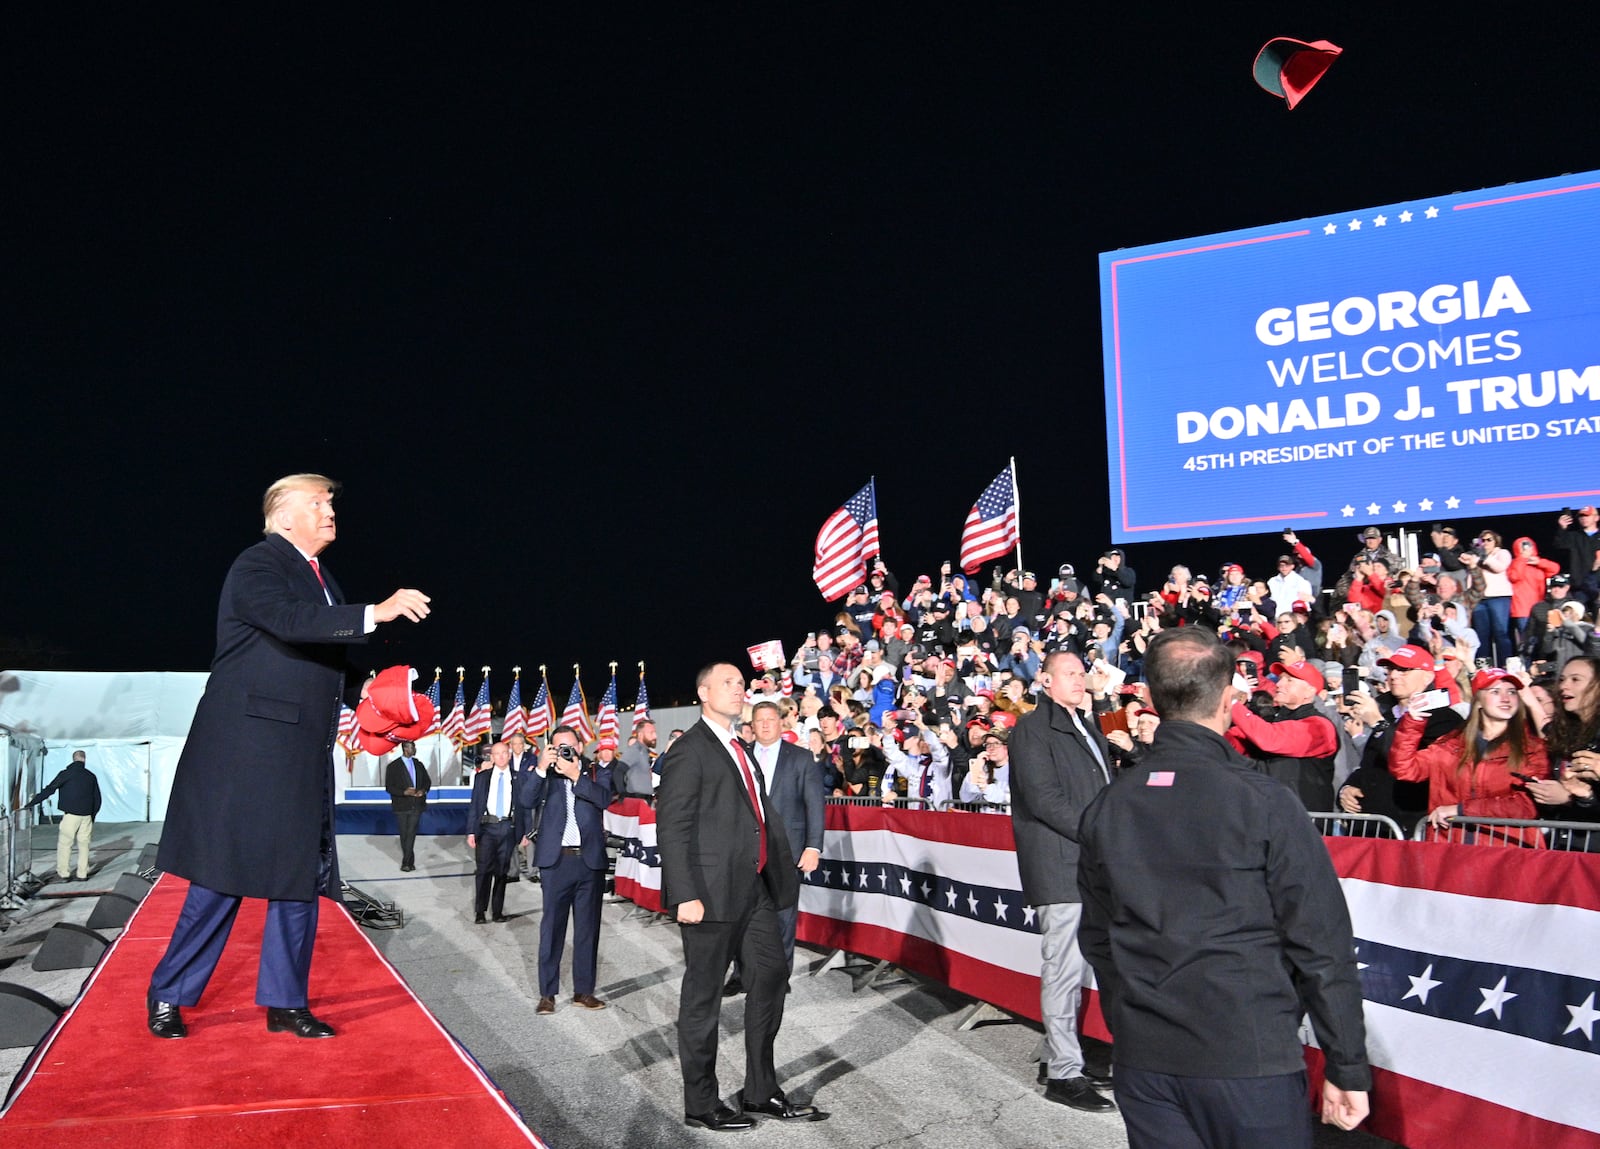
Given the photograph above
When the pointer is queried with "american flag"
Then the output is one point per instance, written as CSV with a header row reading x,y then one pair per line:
x,y
541,715
991,528
606,717
846,541
454,721
641,707
477,723
347,732
438,709
576,715
516,718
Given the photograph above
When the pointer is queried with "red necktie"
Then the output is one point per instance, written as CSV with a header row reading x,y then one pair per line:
x,y
755,802
316,569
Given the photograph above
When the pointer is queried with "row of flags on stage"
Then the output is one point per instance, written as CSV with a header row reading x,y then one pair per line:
x,y
849,536
465,727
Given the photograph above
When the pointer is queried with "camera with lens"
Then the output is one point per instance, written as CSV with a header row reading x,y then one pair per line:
x,y
566,753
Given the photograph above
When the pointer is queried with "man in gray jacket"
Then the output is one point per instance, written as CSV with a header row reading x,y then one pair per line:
x,y
1059,762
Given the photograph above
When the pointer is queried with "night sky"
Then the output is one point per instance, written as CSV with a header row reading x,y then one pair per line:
x,y
598,311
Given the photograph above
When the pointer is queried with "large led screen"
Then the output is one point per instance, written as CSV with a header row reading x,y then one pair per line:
x,y
1437,358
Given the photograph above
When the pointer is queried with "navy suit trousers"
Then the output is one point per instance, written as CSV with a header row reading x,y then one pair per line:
x,y
201,933
570,887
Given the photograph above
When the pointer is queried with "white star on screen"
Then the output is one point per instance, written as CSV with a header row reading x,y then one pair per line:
x,y
905,885
1405,216
1373,508
1425,505
1494,999
1027,915
1355,225
972,903
1422,986
950,896
1432,213
1452,502
1583,1017
1399,508
1347,511
1000,909
1380,221
1331,229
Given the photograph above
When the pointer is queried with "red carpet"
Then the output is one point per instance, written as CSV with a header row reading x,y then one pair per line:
x,y
393,1076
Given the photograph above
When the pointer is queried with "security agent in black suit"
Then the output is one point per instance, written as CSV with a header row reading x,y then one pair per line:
x,y
794,791
725,872
566,797
251,810
494,827
524,760
408,784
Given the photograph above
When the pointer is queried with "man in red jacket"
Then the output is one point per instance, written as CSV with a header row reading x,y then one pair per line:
x,y
1294,742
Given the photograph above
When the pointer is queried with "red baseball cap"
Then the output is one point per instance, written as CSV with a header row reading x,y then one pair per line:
x,y
1490,675
1299,606
1409,657
1304,671
606,743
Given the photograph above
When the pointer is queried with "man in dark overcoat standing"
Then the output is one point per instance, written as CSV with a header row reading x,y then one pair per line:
x,y
251,810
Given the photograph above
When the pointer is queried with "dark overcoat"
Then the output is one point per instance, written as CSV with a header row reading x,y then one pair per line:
x,y
251,810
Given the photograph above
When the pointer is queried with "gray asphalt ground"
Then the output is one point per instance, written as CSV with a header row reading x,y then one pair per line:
x,y
887,1061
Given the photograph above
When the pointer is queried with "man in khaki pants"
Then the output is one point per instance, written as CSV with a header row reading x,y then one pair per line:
x,y
79,802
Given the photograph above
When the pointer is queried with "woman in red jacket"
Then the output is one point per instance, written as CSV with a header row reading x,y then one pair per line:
x,y
1473,772
1529,575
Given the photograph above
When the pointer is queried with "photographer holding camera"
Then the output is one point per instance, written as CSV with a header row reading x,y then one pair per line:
x,y
568,795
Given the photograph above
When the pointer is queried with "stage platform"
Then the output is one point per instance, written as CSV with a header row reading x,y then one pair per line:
x,y
392,1076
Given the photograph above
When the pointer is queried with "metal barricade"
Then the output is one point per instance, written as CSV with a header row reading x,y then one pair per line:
x,y
1578,837
980,807
1341,825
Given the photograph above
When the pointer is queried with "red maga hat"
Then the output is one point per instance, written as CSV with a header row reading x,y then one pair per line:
x,y
392,712
1409,657
1490,675
1291,68
1304,671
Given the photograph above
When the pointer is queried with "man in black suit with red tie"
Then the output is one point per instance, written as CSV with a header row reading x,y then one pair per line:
x,y
726,870
251,811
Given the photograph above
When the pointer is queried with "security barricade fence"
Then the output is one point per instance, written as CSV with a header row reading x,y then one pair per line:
x,y
1356,825
1579,837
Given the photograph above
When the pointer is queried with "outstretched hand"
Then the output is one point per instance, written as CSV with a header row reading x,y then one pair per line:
x,y
412,604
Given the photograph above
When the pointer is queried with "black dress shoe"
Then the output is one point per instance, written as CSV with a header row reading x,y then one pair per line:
x,y
166,1019
299,1022
407,869
785,1110
734,987
478,919
501,918
724,1120
1078,1093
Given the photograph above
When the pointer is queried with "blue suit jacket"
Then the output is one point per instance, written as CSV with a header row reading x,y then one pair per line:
x,y
544,797
480,803
794,790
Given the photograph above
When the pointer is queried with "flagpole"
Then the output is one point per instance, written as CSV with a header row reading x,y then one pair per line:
x,y
437,671
1016,501
544,677
873,482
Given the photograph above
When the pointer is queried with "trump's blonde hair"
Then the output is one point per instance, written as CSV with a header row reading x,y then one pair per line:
x,y
273,499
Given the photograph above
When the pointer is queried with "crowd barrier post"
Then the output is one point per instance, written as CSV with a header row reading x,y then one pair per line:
x,y
1332,825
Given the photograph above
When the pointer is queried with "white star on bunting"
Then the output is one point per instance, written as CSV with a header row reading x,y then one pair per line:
x,y
905,885
1000,909
950,896
1027,915
972,903
1583,1017
1422,986
1494,999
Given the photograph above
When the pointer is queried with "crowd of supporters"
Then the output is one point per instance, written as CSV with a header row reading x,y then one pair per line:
x,y
1466,685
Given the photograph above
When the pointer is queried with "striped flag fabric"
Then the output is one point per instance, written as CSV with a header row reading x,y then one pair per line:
x,y
542,714
641,705
605,720
438,709
991,527
576,715
788,683
516,721
848,538
347,739
478,722
456,719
